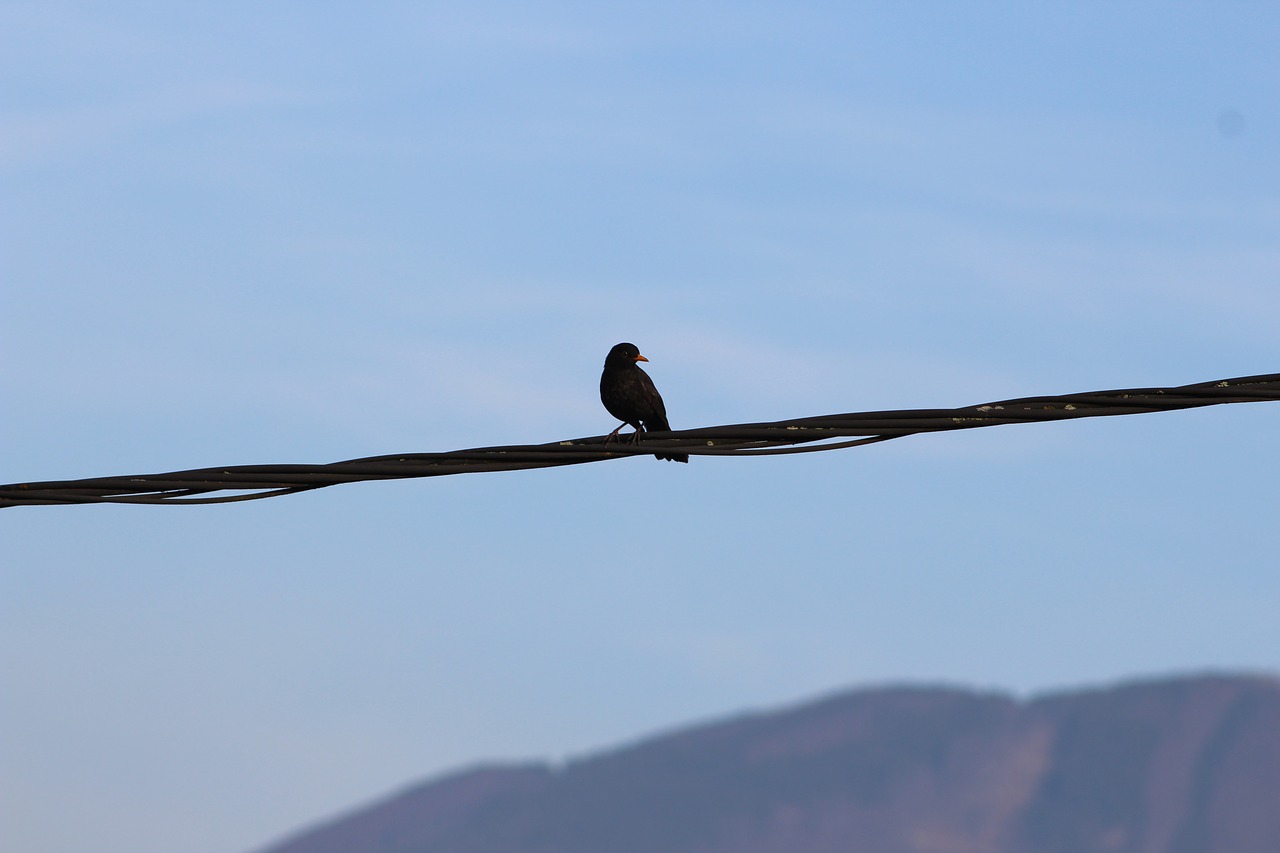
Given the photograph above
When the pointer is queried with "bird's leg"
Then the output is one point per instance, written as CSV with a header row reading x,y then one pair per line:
x,y
611,436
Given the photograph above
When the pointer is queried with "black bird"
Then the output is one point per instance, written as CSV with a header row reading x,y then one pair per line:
x,y
630,396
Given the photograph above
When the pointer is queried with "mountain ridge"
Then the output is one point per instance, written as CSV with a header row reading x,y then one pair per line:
x,y
1178,764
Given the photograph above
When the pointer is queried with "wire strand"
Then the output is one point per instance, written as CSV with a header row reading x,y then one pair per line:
x,y
797,435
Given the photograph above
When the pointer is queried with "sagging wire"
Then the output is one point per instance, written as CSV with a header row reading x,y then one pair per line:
x,y
796,435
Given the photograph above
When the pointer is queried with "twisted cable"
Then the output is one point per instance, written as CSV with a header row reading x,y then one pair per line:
x,y
796,435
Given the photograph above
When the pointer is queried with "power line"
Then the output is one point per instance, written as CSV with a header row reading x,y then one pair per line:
x,y
797,435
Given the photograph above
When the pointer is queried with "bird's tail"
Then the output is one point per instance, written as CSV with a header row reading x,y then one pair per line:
x,y
662,425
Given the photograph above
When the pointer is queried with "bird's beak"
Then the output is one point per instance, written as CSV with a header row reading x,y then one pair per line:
x,y
640,357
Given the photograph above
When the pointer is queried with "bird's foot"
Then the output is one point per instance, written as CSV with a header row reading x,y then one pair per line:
x,y
633,438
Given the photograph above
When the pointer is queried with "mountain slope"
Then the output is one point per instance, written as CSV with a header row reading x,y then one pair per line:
x,y
1176,766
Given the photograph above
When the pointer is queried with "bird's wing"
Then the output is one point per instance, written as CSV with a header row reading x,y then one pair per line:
x,y
658,420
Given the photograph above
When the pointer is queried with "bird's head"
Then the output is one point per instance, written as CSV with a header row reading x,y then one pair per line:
x,y
624,354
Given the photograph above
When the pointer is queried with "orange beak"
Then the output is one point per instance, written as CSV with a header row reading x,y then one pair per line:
x,y
641,358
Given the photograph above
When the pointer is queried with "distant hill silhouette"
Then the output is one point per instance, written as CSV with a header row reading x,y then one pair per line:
x,y
1174,766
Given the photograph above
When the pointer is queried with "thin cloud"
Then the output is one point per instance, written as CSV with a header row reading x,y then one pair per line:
x,y
40,137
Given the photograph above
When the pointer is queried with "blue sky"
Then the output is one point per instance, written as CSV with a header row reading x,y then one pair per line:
x,y
302,232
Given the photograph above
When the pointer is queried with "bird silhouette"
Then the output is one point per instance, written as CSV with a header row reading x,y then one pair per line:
x,y
630,396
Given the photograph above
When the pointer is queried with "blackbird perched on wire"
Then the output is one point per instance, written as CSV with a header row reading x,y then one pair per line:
x,y
630,396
